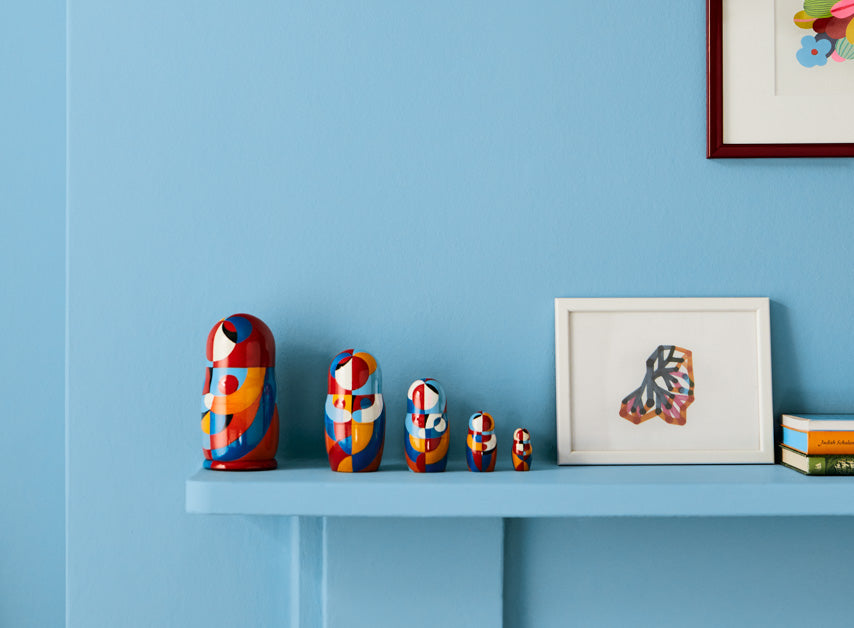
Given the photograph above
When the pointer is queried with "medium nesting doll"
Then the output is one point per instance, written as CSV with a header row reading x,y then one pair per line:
x,y
521,450
355,413
240,421
427,434
481,442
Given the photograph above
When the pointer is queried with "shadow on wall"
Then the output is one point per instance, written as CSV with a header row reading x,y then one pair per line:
x,y
785,370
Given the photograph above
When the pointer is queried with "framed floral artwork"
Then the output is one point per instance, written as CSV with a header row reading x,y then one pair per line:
x,y
663,381
780,78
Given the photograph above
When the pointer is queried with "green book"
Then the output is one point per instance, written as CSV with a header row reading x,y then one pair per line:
x,y
817,465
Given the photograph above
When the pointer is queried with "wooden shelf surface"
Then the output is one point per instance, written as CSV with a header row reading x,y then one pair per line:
x,y
309,488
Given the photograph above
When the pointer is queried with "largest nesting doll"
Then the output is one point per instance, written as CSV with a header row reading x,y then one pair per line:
x,y
240,421
355,413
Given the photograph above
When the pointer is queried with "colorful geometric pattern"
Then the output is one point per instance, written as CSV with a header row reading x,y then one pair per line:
x,y
481,442
833,24
240,420
427,435
522,450
355,413
667,388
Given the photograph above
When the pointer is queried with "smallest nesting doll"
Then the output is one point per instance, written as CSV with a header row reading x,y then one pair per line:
x,y
427,434
521,450
481,442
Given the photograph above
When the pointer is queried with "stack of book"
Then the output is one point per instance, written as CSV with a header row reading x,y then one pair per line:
x,y
818,444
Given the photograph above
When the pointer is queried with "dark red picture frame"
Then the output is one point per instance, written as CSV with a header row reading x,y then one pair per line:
x,y
715,147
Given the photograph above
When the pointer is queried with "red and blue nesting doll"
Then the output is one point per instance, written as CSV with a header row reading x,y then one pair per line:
x,y
521,450
481,442
355,413
427,434
240,421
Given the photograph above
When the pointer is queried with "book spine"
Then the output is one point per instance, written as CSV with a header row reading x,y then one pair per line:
x,y
837,465
824,442
827,465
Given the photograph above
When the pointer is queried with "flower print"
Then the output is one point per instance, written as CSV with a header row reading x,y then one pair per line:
x,y
814,52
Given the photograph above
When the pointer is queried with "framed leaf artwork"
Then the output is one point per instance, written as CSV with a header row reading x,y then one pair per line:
x,y
654,381
780,78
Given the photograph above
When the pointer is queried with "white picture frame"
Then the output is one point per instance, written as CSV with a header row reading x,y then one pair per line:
x,y
605,353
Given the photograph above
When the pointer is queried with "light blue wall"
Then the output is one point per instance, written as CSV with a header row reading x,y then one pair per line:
x,y
703,573
420,180
32,313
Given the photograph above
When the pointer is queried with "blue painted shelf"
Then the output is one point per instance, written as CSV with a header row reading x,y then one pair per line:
x,y
309,488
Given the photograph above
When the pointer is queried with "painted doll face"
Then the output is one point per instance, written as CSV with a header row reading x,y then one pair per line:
x,y
241,340
354,386
521,441
481,432
426,407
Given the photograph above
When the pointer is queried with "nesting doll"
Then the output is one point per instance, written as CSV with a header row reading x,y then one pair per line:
x,y
355,413
427,434
521,450
481,443
240,421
